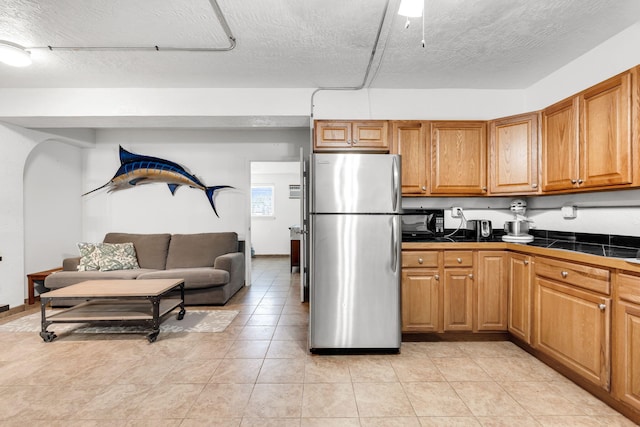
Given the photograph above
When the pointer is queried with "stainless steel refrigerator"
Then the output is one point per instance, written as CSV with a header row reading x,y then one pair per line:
x,y
355,243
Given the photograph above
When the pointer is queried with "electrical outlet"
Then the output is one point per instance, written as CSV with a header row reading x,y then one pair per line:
x,y
456,212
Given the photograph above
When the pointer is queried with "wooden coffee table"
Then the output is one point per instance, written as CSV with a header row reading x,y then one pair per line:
x,y
140,301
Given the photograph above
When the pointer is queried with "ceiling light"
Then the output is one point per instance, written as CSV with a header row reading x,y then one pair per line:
x,y
411,8
14,54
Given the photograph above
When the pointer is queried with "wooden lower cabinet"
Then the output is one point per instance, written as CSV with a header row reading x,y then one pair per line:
x,y
519,296
491,289
421,300
458,299
626,326
572,326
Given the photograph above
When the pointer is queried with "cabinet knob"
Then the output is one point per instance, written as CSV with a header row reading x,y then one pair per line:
x,y
420,260
580,181
424,188
602,306
355,141
484,189
534,185
437,277
564,274
348,142
471,276
573,181
459,260
526,262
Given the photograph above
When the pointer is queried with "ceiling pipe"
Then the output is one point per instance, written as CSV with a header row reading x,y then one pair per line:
x,y
221,19
366,75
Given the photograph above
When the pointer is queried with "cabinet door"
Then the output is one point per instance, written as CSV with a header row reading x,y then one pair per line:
x,y
491,287
626,369
370,136
513,155
458,158
410,142
458,299
520,280
560,146
420,300
605,133
572,326
331,136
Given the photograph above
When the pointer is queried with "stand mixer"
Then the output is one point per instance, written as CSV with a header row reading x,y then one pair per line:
x,y
518,228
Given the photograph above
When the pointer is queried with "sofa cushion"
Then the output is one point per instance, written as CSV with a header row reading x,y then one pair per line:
x,y
199,250
117,256
151,249
61,279
194,278
89,258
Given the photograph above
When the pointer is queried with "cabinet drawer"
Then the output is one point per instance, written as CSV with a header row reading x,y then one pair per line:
x,y
420,259
583,276
458,259
629,288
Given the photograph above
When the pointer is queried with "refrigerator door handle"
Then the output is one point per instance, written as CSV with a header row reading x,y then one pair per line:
x,y
394,247
394,183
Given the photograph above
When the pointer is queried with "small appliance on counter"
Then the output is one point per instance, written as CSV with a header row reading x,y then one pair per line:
x,y
517,229
479,229
421,225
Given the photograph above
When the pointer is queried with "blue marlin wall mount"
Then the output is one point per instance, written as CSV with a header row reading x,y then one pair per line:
x,y
136,169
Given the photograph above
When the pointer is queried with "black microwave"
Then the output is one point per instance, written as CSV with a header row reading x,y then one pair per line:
x,y
422,224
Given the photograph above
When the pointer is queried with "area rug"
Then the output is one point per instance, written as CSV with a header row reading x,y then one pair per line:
x,y
194,321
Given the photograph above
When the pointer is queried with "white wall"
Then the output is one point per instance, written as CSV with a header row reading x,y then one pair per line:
x,y
270,235
216,157
52,205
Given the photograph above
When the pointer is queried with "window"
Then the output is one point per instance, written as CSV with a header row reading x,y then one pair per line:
x,y
262,200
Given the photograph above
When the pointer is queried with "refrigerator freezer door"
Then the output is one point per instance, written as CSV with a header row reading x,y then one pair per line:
x,y
355,283
356,183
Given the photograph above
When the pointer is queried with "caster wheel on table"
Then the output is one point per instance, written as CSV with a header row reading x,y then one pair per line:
x,y
153,336
48,336
180,315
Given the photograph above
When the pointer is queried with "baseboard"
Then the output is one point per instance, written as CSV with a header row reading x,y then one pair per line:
x,y
12,311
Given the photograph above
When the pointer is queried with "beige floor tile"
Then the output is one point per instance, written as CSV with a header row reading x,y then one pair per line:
x,y
147,371
588,403
327,369
253,349
269,309
293,319
449,422
237,371
282,371
568,421
487,399
263,320
413,349
329,400
370,370
211,422
382,400
390,422
435,399
288,350
443,349
508,421
410,369
270,422
192,371
169,400
115,402
208,349
154,423
538,398
290,333
257,333
275,401
476,349
516,369
330,422
460,369
220,401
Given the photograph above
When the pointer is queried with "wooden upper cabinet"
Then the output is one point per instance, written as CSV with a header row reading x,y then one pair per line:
x,y
587,139
513,155
409,140
367,136
458,157
605,133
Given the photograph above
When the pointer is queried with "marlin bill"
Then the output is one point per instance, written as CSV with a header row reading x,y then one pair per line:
x,y
136,169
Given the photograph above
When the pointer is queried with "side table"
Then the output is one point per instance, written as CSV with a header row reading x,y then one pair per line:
x,y
37,277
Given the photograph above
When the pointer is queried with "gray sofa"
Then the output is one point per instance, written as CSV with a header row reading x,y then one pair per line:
x,y
210,264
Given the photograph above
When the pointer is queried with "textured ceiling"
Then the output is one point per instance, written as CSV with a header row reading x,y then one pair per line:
x,y
315,43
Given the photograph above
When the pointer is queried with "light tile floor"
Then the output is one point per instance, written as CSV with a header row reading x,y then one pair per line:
x,y
260,373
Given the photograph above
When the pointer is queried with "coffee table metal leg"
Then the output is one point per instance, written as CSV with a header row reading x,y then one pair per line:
x,y
155,323
44,334
180,315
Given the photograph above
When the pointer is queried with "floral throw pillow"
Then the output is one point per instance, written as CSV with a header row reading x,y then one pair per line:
x,y
117,256
88,257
